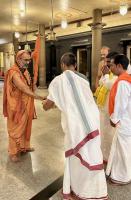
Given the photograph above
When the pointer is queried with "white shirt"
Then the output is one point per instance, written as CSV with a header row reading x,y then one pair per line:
x,y
122,109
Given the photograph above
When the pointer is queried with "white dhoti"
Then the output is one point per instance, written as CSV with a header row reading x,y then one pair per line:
x,y
107,134
119,162
82,182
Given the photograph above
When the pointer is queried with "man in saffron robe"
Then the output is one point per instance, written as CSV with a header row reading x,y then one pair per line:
x,y
18,105
119,162
84,176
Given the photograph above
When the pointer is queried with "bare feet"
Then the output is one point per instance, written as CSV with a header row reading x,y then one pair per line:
x,y
14,158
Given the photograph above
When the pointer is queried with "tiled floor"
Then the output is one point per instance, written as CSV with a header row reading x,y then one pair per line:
x,y
37,170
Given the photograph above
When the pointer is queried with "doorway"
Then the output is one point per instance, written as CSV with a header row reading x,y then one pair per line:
x,y
84,61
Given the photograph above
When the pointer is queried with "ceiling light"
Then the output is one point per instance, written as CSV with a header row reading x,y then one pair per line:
x,y
22,4
123,9
64,4
64,24
17,34
51,34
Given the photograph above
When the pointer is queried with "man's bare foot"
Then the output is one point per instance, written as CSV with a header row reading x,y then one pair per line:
x,y
14,158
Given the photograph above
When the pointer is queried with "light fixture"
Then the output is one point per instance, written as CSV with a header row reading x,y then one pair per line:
x,y
12,51
123,9
51,34
22,8
27,46
22,13
17,34
64,24
64,4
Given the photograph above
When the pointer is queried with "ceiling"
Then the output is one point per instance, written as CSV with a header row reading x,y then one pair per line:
x,y
39,12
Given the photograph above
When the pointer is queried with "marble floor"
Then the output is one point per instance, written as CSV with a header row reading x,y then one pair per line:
x,y
39,169
23,180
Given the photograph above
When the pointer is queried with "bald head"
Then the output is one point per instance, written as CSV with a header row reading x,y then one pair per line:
x,y
104,51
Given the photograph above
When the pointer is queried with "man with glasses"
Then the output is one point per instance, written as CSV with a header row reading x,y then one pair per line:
x,y
18,105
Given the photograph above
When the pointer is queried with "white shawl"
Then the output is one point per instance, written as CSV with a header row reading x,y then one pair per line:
x,y
80,121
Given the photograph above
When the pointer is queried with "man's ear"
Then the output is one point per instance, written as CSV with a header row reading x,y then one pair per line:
x,y
62,66
75,66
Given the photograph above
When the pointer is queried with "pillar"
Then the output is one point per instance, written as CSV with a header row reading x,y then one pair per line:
x,y
42,59
96,27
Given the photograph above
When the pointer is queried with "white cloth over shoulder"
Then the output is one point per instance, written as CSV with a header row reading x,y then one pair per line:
x,y
80,117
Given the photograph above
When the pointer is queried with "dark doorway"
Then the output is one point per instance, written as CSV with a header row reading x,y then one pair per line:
x,y
83,54
82,61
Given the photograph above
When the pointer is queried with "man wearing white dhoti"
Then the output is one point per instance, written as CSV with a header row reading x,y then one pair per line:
x,y
84,176
119,162
102,99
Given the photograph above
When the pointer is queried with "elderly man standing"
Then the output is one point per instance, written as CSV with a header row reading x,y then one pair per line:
x,y
18,105
104,52
84,176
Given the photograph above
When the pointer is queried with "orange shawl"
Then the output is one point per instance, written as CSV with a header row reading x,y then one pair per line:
x,y
35,56
125,77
